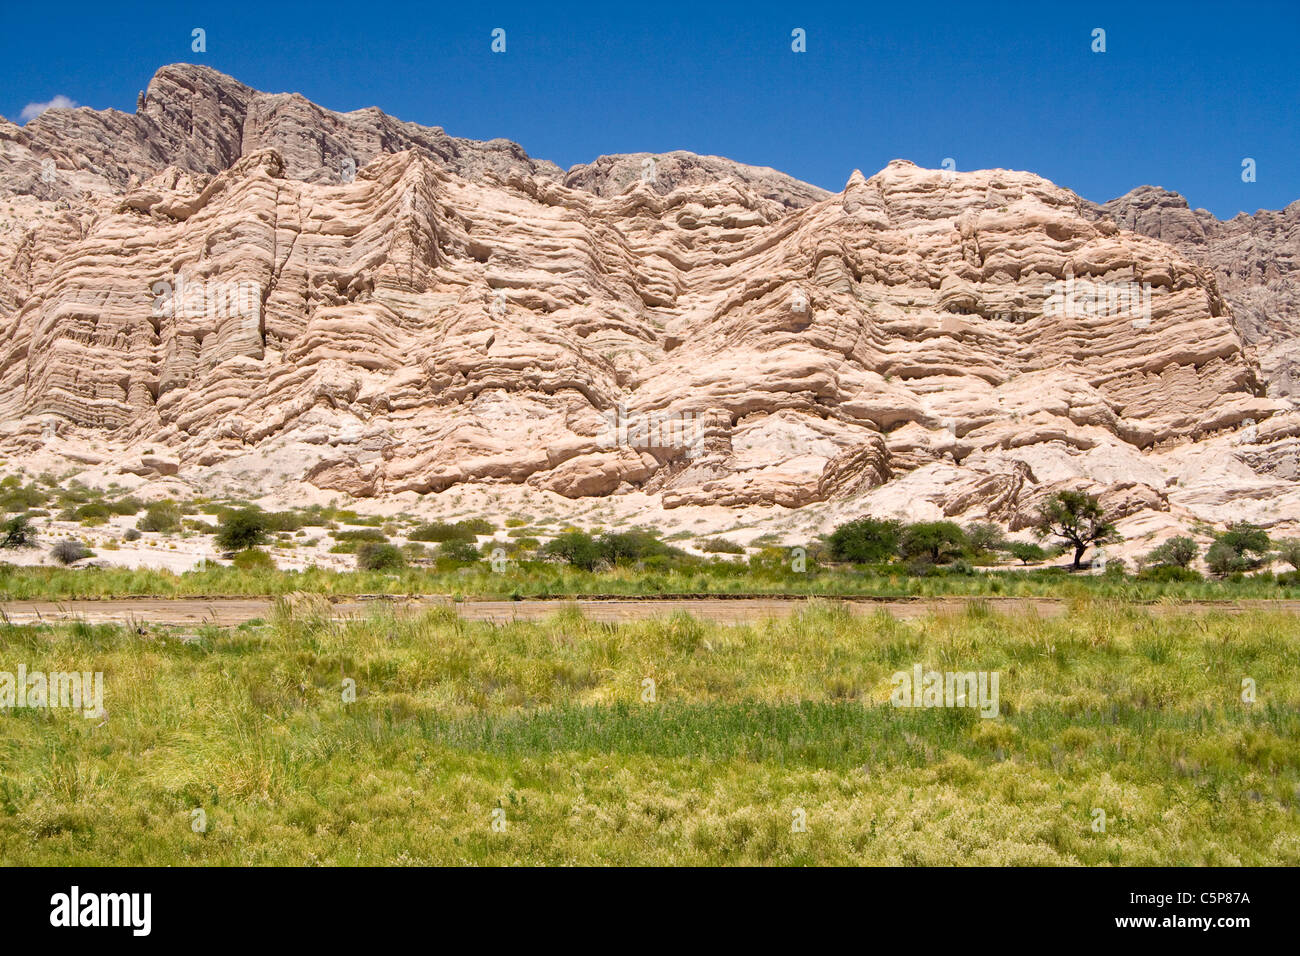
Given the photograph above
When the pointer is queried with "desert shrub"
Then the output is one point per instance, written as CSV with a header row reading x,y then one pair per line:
x,y
1289,551
458,551
361,534
441,531
576,547
477,526
984,536
132,534
18,497
162,516
252,559
414,551
277,521
17,532
69,551
865,541
1223,559
379,556
1241,547
1178,552
635,545
935,541
93,513
1168,573
1026,551
241,530
720,546
126,506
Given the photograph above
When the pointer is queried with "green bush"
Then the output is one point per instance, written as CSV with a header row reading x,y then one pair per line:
x,y
935,541
361,534
576,547
1289,551
635,545
251,559
441,531
17,532
983,537
1242,547
161,516
241,530
458,551
277,521
94,513
1167,573
19,497
1178,552
377,556
720,546
1026,551
865,541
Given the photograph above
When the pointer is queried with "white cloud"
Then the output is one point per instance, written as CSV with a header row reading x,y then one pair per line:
x,y
33,110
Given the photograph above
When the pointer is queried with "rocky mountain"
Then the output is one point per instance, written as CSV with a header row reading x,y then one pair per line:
x,y
375,307
1256,260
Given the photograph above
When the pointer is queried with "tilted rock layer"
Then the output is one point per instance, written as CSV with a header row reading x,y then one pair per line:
x,y
229,274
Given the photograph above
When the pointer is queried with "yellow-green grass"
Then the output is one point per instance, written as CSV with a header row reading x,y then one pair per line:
x,y
1106,708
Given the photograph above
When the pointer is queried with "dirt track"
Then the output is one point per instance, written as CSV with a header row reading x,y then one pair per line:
x,y
232,611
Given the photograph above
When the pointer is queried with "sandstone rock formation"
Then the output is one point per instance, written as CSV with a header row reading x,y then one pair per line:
x,y
209,280
1256,260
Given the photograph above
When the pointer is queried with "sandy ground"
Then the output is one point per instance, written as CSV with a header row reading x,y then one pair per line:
x,y
233,611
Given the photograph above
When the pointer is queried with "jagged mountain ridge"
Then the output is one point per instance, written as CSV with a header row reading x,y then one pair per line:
x,y
460,312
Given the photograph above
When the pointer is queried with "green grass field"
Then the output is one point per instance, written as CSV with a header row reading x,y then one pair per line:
x,y
541,580
541,728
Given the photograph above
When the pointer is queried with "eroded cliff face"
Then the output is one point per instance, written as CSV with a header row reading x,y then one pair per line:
x,y
209,280
1256,260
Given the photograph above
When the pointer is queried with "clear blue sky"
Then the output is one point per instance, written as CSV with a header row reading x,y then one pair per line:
x,y
1182,94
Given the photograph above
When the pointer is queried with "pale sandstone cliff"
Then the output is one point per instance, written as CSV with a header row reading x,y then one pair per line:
x,y
461,313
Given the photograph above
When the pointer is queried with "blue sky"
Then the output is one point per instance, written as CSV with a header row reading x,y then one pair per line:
x,y
1183,93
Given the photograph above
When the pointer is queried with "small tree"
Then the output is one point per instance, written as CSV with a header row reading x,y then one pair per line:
x,y
575,547
1248,543
1289,551
1026,551
17,532
1176,552
240,530
1221,559
935,540
1077,518
985,536
864,541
